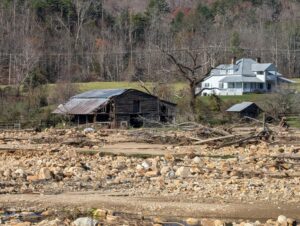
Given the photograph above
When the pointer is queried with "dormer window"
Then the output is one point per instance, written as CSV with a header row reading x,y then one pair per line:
x,y
260,72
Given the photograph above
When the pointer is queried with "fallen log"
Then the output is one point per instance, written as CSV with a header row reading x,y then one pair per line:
x,y
214,139
240,141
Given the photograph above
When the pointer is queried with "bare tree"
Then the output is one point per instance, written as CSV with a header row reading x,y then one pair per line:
x,y
193,73
26,61
81,7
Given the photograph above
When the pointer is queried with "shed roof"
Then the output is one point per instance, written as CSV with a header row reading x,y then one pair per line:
x,y
239,107
286,80
77,106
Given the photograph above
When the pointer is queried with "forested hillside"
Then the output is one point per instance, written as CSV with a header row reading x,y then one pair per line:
x,y
43,41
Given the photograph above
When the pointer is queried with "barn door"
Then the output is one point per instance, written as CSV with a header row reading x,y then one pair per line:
x,y
136,106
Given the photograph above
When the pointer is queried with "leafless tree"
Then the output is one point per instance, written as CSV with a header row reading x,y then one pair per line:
x,y
26,61
193,73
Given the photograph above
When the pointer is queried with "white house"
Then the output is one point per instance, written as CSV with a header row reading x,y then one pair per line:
x,y
243,76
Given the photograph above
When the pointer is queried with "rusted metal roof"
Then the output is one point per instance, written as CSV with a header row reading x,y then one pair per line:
x,y
88,102
100,93
78,106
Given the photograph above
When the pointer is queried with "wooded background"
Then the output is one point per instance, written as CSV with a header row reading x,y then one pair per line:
x,y
45,41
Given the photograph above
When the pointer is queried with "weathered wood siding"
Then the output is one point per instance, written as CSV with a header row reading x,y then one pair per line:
x,y
124,105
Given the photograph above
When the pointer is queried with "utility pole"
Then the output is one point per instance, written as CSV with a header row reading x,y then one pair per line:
x,y
9,70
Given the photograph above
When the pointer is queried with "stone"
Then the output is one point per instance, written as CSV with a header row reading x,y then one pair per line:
x,y
164,170
100,213
248,224
152,173
88,130
183,172
33,178
21,224
192,221
218,223
196,160
139,168
291,221
85,221
207,222
45,174
146,165
55,222
112,219
282,219
158,220
20,172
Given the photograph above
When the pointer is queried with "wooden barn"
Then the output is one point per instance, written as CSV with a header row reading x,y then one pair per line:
x,y
117,107
249,109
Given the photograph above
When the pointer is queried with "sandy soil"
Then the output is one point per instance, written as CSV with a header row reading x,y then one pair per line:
x,y
152,206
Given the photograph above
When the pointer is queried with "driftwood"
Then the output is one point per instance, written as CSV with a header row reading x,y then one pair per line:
x,y
214,139
240,141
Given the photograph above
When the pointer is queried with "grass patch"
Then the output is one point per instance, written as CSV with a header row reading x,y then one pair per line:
x,y
294,121
118,85
252,97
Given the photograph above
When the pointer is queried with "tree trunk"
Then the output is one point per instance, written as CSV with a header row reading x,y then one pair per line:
x,y
193,87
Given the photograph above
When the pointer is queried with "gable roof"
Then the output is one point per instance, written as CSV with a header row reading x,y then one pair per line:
x,y
240,107
243,66
91,101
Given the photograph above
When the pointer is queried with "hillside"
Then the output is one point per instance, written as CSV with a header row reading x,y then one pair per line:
x,y
46,41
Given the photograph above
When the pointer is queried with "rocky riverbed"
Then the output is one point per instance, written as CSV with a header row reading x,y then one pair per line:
x,y
51,163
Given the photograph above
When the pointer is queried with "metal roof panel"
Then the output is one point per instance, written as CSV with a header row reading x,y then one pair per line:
x,y
239,107
78,106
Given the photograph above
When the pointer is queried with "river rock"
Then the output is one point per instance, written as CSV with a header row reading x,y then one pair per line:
x,y
152,173
182,172
100,214
85,221
282,219
21,224
112,219
196,160
291,221
146,165
45,174
192,221
55,222
218,223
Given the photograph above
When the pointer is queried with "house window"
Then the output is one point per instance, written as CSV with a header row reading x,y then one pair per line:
x,y
221,85
206,85
239,85
260,73
136,106
230,85
261,85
